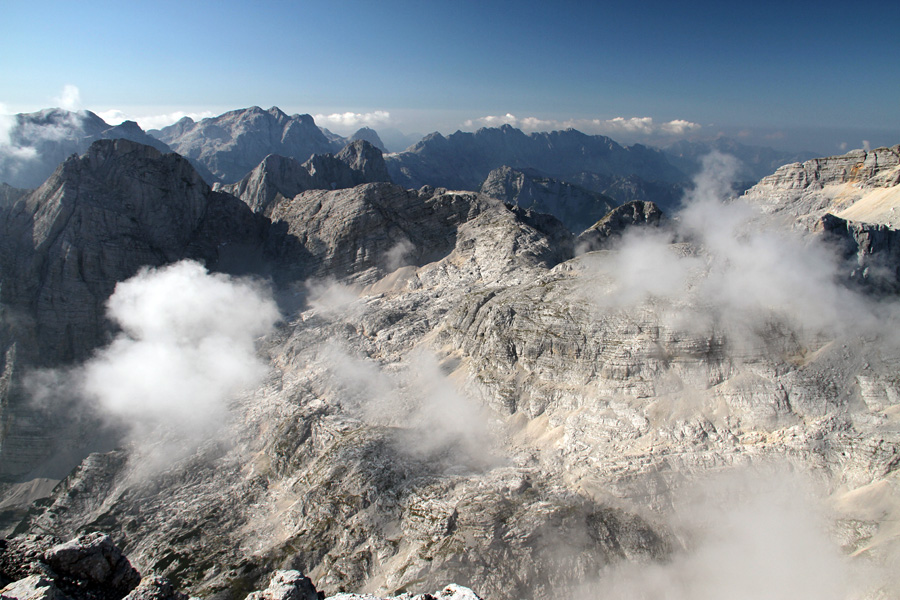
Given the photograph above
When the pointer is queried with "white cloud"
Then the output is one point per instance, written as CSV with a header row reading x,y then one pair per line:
x,y
351,121
69,99
186,349
115,116
865,145
633,126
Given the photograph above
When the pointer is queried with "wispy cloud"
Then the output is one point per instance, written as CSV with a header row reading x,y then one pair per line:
x,y
634,126
353,120
69,99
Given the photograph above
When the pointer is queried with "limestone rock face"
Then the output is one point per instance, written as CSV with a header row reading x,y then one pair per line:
x,y
615,222
231,145
371,229
33,587
95,222
39,141
858,186
358,163
576,207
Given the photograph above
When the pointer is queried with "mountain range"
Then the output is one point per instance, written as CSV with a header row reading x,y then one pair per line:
x,y
388,387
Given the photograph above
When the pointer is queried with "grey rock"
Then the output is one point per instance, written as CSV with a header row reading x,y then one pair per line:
x,y
858,186
287,585
231,145
277,176
606,230
370,135
154,587
871,252
96,559
576,207
33,587
39,141
629,188
96,221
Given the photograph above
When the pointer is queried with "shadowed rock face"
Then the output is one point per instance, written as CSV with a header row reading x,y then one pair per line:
x,y
607,230
576,207
464,160
95,222
357,163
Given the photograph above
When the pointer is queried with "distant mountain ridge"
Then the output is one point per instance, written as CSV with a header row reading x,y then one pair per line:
x,y
231,145
463,160
756,162
40,141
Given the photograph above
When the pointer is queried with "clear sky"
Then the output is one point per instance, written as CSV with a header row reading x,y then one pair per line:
x,y
794,74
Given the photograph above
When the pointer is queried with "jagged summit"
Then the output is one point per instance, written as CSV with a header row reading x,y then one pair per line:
x,y
357,163
577,207
370,135
230,145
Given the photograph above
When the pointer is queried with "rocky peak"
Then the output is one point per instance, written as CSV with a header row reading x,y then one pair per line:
x,y
279,176
231,145
96,221
366,159
370,135
605,231
44,139
577,207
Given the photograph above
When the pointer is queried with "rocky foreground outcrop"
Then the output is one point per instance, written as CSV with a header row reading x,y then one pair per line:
x,y
91,567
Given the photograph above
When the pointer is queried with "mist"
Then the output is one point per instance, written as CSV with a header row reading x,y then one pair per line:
x,y
747,534
730,276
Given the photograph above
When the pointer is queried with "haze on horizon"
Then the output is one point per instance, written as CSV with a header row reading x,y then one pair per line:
x,y
803,76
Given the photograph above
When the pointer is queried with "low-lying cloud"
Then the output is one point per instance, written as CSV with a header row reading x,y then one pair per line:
x,y
739,278
746,535
185,350
115,116
69,98
348,122
632,126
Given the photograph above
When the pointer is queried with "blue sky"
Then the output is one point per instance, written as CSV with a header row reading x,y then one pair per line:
x,y
792,74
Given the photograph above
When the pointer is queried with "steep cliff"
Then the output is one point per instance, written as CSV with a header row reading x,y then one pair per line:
x,y
857,186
